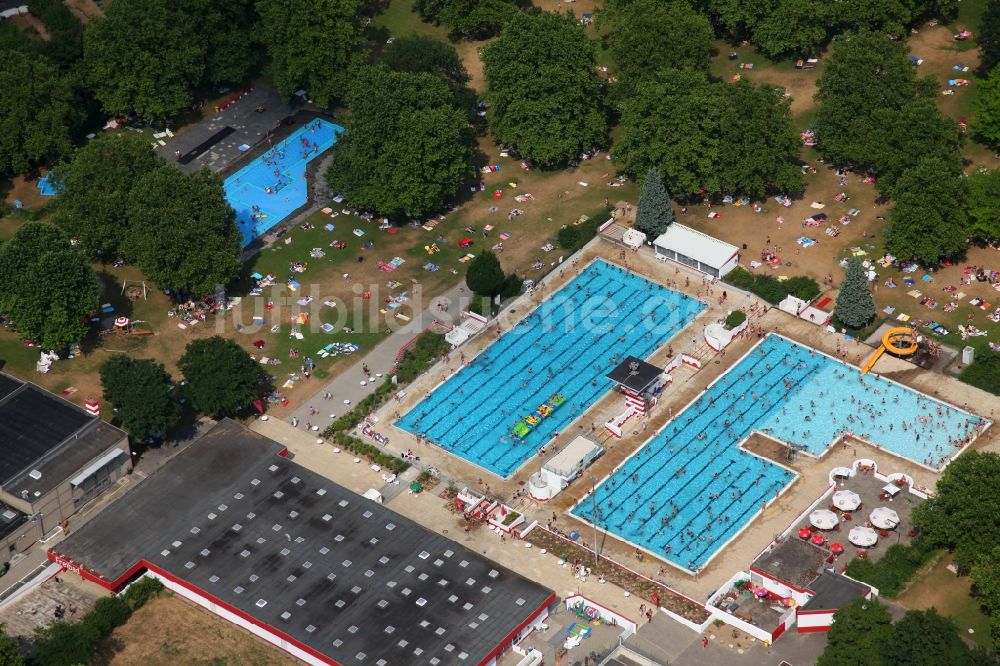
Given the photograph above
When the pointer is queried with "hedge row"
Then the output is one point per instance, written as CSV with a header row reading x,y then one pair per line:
x,y
68,643
893,571
770,288
369,451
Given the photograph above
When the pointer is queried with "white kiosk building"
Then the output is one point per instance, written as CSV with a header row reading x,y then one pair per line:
x,y
562,468
692,248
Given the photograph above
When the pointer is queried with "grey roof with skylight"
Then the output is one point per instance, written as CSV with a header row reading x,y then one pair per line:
x,y
340,573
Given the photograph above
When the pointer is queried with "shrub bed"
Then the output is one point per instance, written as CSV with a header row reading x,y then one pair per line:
x,y
369,451
619,575
735,318
892,571
770,288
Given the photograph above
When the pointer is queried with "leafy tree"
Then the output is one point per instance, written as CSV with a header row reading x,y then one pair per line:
x,y
141,392
37,113
793,28
671,121
484,276
956,516
982,199
985,576
477,19
472,19
986,588
9,650
227,30
798,27
65,44
312,44
222,378
46,285
858,630
709,139
649,35
12,38
97,186
108,613
182,230
653,214
986,122
988,37
924,638
918,131
855,305
420,54
758,145
406,149
928,220
65,644
867,80
543,88
144,57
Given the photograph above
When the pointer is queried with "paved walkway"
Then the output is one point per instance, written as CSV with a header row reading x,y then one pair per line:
x,y
352,384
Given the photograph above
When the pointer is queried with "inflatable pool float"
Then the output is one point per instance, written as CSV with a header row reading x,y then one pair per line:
x,y
544,410
520,430
532,420
557,399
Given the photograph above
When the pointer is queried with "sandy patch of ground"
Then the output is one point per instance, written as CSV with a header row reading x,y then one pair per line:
x,y
84,10
169,630
31,25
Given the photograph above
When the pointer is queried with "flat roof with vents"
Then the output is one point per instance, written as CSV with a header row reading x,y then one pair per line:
x,y
373,590
45,439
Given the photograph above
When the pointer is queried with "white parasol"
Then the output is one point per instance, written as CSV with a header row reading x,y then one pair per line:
x,y
863,537
884,518
846,500
823,519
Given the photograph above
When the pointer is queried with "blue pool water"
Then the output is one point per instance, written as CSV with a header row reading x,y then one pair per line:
x,y
282,169
690,488
567,346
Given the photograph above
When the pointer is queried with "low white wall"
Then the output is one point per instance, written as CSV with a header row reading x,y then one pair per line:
x,y
756,632
814,621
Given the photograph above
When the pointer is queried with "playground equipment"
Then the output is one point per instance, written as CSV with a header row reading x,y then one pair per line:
x,y
901,341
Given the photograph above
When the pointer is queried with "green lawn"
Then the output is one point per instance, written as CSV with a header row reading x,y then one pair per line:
x,y
936,587
399,19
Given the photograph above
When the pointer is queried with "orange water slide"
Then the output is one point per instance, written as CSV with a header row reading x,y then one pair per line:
x,y
900,340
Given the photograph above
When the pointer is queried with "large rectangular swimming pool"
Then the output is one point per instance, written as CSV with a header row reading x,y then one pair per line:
x,y
690,488
557,356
